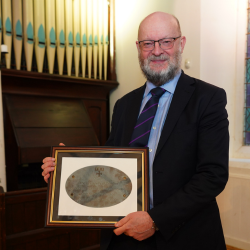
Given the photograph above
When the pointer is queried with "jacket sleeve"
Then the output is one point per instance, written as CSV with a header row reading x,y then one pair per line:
x,y
211,173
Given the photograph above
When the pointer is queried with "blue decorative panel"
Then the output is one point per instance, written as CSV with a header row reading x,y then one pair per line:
x,y
70,38
30,33
84,40
19,30
78,39
41,37
8,27
247,84
52,37
62,39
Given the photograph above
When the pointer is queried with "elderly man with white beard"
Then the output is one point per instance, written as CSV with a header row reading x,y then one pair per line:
x,y
183,122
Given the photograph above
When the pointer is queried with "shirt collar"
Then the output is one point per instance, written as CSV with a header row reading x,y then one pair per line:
x,y
169,86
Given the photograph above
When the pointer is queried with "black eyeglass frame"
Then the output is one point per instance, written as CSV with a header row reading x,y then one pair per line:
x,y
174,38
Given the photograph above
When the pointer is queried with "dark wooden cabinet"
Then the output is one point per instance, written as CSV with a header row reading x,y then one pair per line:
x,y
42,110
22,215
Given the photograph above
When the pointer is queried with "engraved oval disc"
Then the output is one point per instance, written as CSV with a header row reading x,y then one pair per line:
x,y
98,186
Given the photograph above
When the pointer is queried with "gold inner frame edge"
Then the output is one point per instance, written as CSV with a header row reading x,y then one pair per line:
x,y
92,151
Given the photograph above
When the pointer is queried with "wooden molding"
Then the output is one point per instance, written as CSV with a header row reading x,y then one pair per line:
x,y
232,248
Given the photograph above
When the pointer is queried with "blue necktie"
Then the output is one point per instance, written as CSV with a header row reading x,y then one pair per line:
x,y
144,122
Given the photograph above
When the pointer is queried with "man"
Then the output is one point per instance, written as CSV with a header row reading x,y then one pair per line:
x,y
188,148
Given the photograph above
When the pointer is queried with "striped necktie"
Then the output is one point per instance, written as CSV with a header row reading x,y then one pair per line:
x,y
144,122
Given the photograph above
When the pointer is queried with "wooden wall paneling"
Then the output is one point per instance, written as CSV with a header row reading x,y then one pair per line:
x,y
32,83
23,99
21,211
40,209
2,221
98,114
11,151
91,237
26,202
30,215
18,218
53,243
17,247
32,245
64,241
74,240
42,244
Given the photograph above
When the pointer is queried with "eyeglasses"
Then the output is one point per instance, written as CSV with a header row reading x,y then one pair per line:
x,y
165,43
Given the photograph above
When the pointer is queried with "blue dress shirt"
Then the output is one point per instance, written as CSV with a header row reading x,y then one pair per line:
x,y
158,122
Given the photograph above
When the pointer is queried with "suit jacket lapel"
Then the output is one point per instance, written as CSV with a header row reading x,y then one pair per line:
x,y
131,114
182,94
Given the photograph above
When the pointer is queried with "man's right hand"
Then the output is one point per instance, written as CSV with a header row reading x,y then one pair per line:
x,y
48,166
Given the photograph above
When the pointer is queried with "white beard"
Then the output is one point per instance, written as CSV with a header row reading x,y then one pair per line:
x,y
165,75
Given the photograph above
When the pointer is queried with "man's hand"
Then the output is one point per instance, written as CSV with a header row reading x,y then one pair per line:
x,y
48,166
138,225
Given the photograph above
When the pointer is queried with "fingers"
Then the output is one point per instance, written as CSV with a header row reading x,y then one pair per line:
x,y
47,159
122,225
121,230
46,177
48,166
137,225
47,170
122,221
61,144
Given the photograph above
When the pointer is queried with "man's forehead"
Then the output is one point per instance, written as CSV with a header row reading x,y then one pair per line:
x,y
158,24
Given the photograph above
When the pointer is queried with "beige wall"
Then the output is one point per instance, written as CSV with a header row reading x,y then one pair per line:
x,y
129,14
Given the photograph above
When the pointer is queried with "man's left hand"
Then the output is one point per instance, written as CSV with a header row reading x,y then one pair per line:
x,y
138,225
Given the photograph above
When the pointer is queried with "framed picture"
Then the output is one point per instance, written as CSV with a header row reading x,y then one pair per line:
x,y
94,187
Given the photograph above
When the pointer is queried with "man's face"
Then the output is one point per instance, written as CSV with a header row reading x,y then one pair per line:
x,y
160,66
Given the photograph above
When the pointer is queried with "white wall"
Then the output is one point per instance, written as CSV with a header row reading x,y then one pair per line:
x,y
223,24
188,13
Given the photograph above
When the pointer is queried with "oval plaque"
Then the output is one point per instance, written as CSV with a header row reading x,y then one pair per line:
x,y
98,186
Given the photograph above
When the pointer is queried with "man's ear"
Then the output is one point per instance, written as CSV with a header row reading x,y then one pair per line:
x,y
183,42
137,45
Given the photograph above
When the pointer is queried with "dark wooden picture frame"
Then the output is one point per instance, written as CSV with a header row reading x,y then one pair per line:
x,y
63,211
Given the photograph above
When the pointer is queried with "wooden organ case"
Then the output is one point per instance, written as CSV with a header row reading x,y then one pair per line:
x,y
43,109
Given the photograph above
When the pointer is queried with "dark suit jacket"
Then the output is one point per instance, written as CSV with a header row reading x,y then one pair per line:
x,y
190,167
